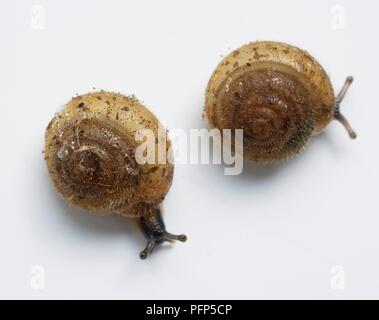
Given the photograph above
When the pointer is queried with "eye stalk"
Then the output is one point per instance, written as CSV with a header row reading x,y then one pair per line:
x,y
337,113
153,227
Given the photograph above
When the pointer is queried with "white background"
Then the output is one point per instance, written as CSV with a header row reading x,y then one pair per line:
x,y
271,232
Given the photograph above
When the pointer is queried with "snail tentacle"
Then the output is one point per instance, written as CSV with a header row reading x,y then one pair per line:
x,y
337,114
154,229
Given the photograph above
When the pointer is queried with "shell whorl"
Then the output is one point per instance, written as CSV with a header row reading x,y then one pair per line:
x,y
95,163
272,107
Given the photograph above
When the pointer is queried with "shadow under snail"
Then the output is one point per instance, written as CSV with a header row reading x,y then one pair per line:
x,y
90,150
279,95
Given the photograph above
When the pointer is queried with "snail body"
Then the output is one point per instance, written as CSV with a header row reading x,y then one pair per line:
x,y
278,94
90,152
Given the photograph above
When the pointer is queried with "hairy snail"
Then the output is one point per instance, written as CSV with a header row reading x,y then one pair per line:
x,y
90,150
278,94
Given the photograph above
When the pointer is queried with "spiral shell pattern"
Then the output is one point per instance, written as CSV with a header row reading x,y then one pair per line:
x,y
273,109
95,162
90,154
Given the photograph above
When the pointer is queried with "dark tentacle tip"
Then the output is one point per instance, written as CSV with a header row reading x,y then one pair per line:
x,y
353,135
149,248
183,238
172,237
143,255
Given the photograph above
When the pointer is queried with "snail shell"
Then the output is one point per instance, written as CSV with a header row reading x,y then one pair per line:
x,y
278,94
90,154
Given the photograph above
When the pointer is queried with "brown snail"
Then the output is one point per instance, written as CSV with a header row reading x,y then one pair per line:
x,y
278,94
90,152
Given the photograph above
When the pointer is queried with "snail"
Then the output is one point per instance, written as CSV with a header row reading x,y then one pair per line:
x,y
90,152
279,95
